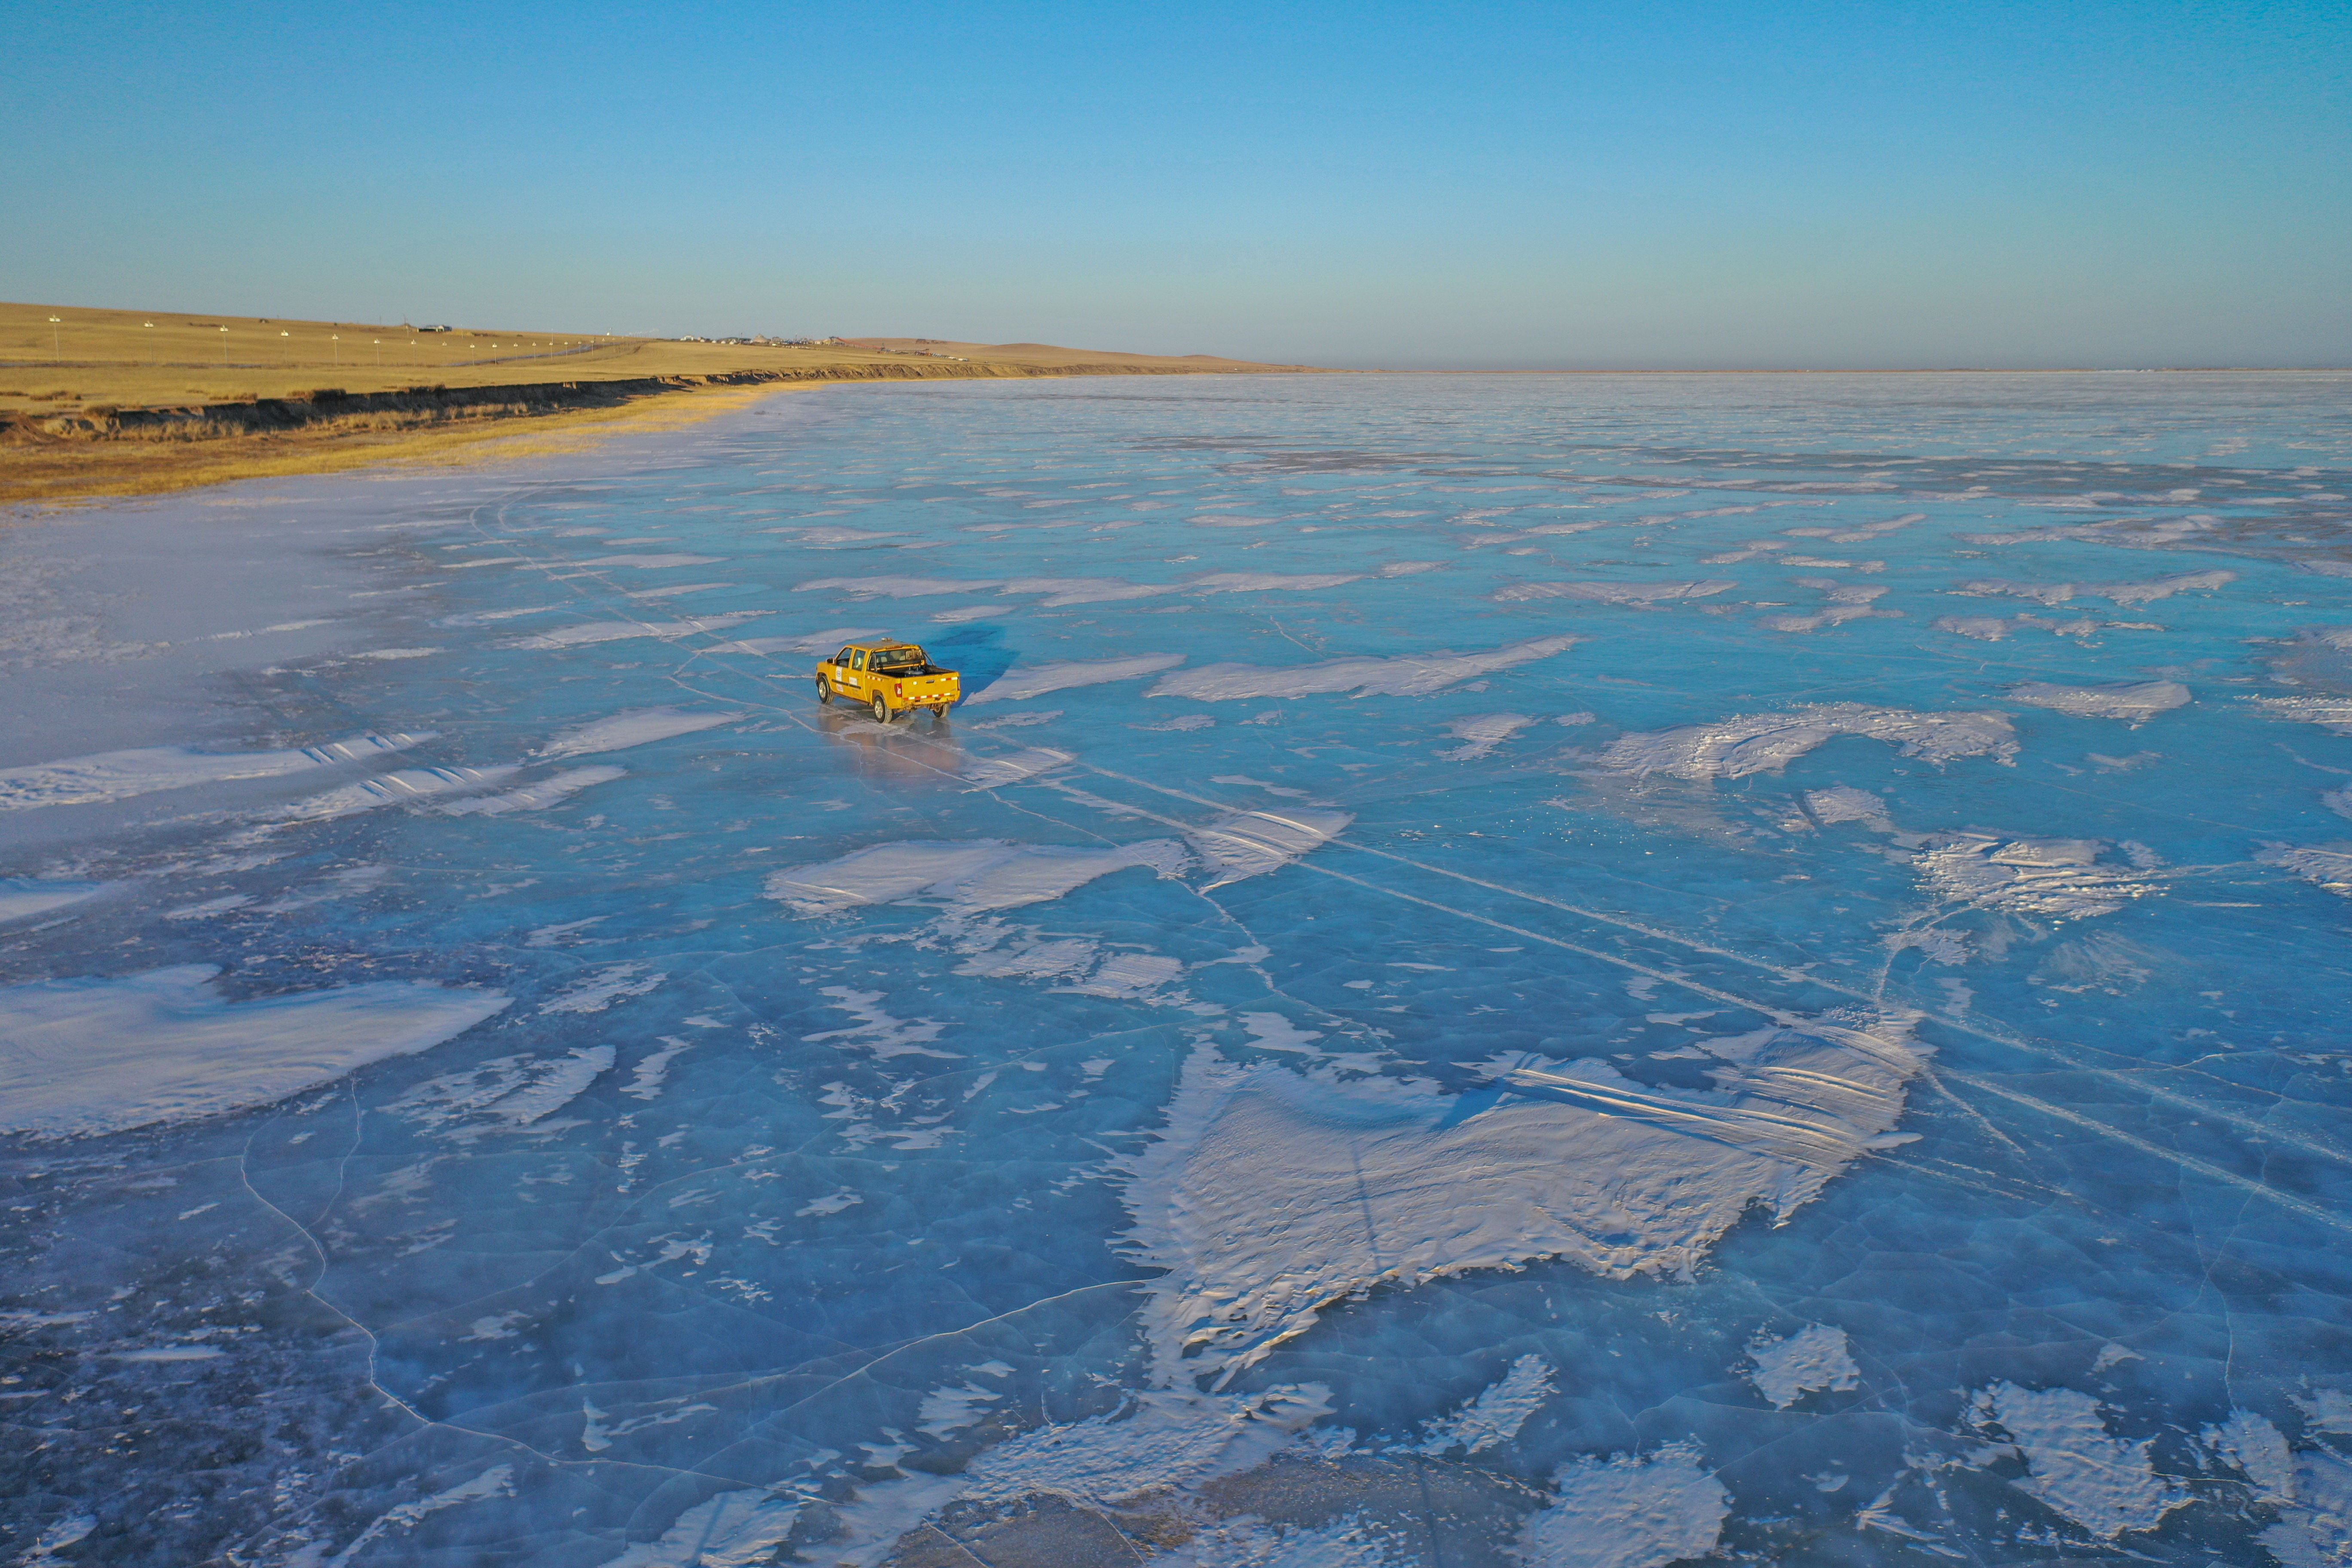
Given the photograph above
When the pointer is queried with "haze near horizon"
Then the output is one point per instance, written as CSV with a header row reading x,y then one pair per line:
x,y
1405,186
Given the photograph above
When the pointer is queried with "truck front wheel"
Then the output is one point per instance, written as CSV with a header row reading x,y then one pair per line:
x,y
881,709
824,691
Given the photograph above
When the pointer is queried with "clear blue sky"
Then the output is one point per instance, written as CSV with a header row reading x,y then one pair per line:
x,y
1370,184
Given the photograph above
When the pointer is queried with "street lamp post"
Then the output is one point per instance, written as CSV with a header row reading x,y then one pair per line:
x,y
56,345
152,355
224,348
337,349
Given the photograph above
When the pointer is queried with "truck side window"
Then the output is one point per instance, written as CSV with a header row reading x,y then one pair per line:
x,y
857,660
842,658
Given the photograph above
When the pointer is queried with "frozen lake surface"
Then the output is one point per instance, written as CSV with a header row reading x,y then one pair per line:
x,y
1497,970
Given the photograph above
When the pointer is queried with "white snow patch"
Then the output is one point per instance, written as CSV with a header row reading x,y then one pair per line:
x,y
1814,1359
119,775
1273,1032
876,1030
2332,713
2057,878
827,641
1024,681
1840,803
826,533
548,936
2330,870
1253,843
1129,976
590,632
1407,675
1494,1416
538,795
1832,615
2127,593
977,874
946,1410
1617,593
1160,1439
2137,700
652,1070
893,587
101,1055
497,1482
1268,582
2103,1483
2260,1449
1252,1543
2315,1531
1270,1193
1063,591
2328,1410
1628,1511
733,1530
565,1081
612,984
1760,742
1983,629
870,1526
1482,733
637,726
831,1202
57,1538
650,563
23,898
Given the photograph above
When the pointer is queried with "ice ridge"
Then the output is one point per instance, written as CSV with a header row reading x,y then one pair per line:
x,y
1253,843
637,726
397,789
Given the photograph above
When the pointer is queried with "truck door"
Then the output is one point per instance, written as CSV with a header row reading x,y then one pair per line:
x,y
857,663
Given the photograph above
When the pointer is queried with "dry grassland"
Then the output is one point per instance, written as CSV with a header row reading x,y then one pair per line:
x,y
110,403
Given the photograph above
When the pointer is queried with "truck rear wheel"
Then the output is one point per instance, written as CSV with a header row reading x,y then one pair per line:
x,y
824,691
881,709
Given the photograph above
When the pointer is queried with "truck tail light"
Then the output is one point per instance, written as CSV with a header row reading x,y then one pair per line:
x,y
897,691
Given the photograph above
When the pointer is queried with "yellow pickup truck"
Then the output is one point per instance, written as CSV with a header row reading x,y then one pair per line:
x,y
890,677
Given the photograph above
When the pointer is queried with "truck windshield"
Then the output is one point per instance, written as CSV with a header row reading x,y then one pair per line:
x,y
898,658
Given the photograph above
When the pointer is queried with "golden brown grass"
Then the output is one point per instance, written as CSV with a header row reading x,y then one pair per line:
x,y
57,472
66,373
114,357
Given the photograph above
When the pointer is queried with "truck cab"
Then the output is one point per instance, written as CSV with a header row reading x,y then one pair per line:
x,y
889,677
